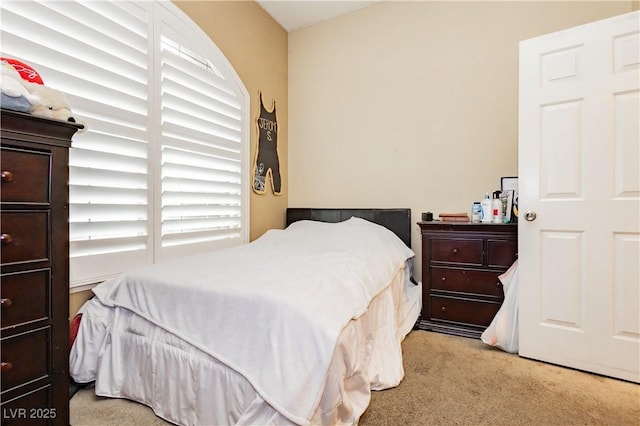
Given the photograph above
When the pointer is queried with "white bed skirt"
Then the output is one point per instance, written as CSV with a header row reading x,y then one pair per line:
x,y
129,357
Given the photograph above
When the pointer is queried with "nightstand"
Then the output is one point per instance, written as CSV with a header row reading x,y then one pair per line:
x,y
461,263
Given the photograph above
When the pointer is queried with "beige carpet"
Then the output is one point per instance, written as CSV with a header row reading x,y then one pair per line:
x,y
451,380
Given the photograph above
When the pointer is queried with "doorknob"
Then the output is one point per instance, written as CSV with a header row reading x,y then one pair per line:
x,y
530,216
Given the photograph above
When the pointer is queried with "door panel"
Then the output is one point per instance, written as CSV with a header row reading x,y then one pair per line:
x,y
625,286
627,152
579,160
626,52
561,147
561,283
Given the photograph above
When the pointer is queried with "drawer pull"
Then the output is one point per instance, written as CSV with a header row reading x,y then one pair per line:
x,y
498,284
443,309
6,238
5,366
454,251
7,176
444,278
6,302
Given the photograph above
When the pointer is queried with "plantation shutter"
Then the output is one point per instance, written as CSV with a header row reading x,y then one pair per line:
x,y
160,170
201,148
96,53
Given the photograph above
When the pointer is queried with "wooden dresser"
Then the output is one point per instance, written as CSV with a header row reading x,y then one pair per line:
x,y
35,269
461,262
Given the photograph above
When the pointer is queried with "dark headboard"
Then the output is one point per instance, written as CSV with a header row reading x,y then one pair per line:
x,y
397,220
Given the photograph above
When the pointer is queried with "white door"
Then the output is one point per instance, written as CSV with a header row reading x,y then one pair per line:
x,y
579,161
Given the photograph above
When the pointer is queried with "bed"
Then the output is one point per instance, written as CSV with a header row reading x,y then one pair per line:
x,y
296,327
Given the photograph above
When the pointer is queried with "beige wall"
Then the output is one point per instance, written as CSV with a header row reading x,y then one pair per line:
x,y
413,104
256,46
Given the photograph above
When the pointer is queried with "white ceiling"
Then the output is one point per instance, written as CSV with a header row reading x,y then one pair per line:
x,y
294,14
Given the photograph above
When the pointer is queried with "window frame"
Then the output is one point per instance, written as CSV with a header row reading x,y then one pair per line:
x,y
160,17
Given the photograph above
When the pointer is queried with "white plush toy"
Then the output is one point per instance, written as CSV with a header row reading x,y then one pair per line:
x,y
23,90
15,95
53,103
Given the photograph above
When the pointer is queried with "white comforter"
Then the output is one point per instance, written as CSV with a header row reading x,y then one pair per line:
x,y
273,309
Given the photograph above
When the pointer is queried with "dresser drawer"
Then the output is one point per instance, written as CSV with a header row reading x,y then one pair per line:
x,y
501,252
33,408
452,250
25,297
25,236
25,176
466,281
463,310
25,358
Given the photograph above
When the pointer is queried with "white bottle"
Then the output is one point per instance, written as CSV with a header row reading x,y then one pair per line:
x,y
487,213
496,208
476,212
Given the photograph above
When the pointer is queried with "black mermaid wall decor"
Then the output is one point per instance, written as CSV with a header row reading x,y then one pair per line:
x,y
267,163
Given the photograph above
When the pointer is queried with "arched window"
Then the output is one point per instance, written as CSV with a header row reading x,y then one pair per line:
x,y
162,169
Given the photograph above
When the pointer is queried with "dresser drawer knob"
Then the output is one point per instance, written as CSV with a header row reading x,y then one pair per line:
x,y
6,303
454,251
5,366
444,278
498,284
5,238
443,309
7,176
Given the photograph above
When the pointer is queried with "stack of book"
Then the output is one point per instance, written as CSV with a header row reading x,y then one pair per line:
x,y
454,217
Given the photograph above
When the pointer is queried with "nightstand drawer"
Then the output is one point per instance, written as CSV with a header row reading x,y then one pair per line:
x,y
466,281
463,310
467,251
25,236
25,358
25,176
25,297
501,253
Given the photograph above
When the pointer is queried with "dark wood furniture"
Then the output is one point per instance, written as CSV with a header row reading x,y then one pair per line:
x,y
461,262
35,269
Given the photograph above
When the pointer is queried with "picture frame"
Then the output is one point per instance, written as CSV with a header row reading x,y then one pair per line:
x,y
508,212
510,183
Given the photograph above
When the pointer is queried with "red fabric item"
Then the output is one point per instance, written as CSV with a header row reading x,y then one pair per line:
x,y
25,71
73,329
